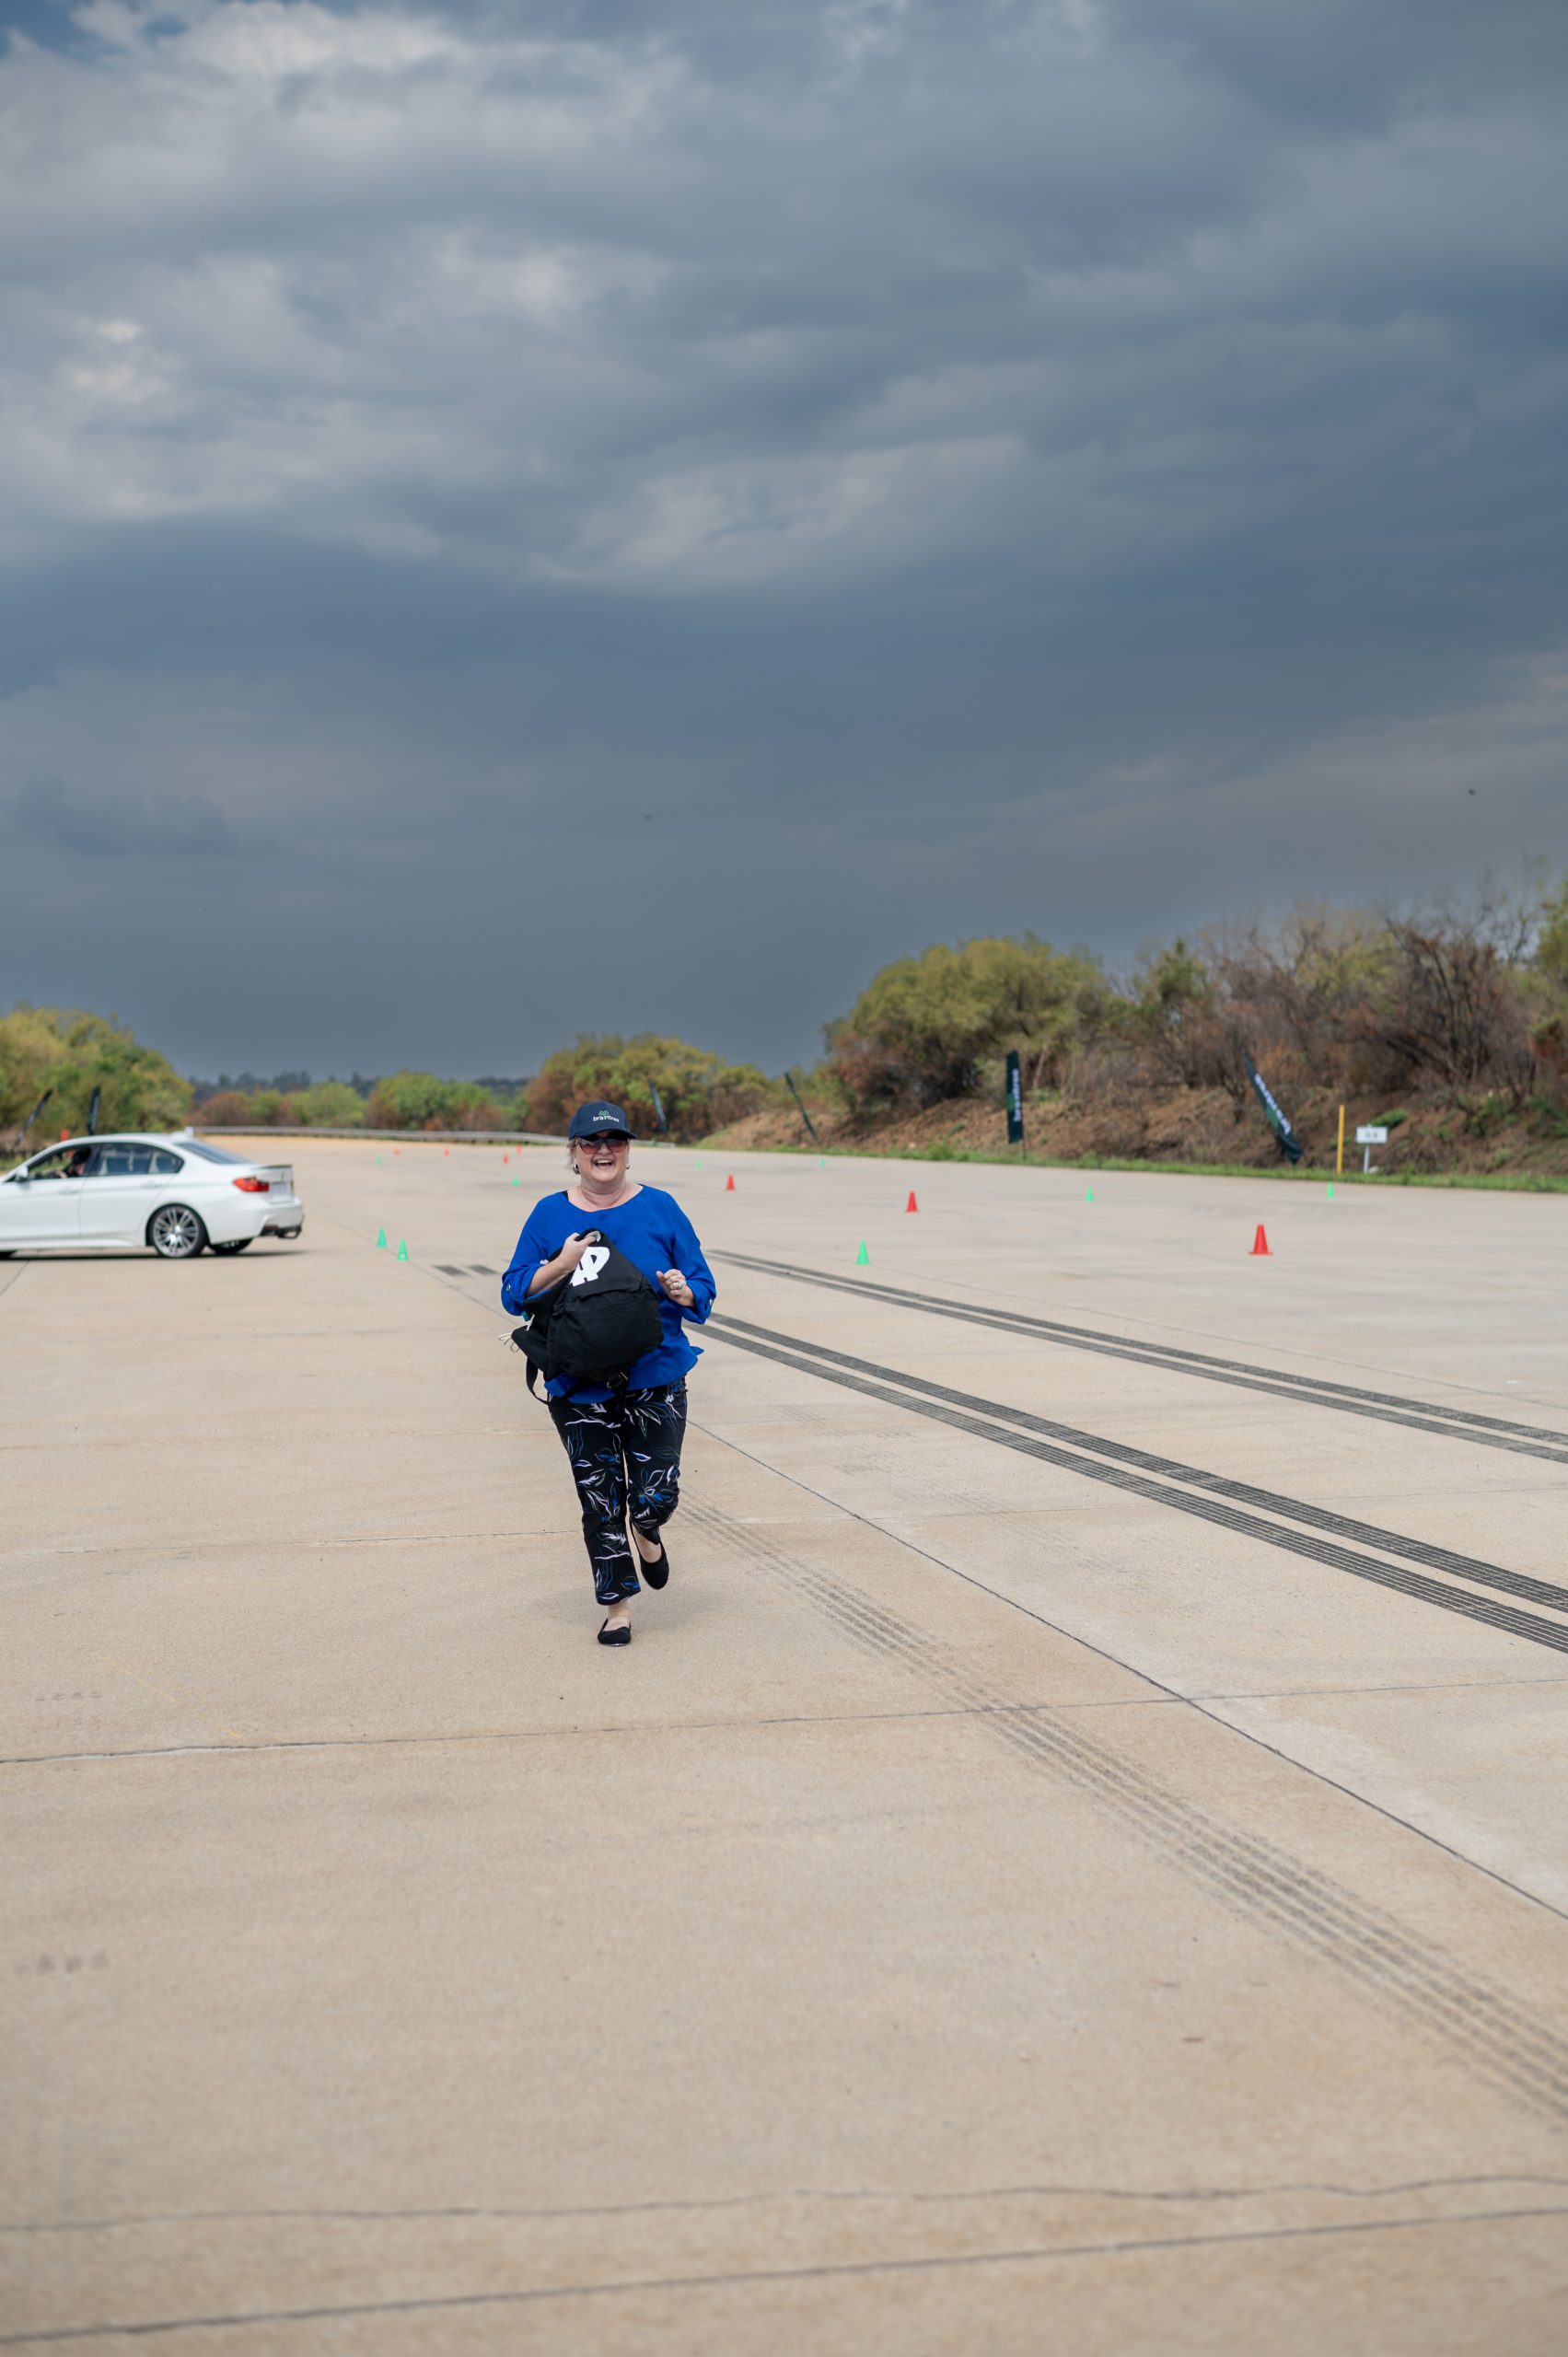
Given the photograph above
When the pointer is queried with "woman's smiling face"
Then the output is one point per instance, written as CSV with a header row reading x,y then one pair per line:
x,y
601,1158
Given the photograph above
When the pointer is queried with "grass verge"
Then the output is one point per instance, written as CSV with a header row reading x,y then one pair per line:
x,y
1522,1182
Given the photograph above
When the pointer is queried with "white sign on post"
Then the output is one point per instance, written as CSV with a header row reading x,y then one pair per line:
x,y
1370,1134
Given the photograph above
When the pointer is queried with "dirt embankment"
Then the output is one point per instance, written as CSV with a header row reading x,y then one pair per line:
x,y
1189,1125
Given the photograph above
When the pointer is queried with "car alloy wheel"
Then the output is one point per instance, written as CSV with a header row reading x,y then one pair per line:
x,y
176,1233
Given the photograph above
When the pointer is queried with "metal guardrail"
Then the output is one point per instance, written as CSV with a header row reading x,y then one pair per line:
x,y
426,1137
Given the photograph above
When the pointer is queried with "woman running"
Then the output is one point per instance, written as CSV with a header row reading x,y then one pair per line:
x,y
623,1446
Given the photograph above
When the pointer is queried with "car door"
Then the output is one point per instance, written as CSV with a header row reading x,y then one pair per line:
x,y
40,1204
117,1193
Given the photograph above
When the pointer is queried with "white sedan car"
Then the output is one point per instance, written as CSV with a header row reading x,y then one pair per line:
x,y
177,1194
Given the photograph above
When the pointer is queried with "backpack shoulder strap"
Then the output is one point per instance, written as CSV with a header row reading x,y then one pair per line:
x,y
534,1347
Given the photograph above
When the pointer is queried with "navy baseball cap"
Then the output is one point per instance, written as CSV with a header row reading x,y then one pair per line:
x,y
599,1120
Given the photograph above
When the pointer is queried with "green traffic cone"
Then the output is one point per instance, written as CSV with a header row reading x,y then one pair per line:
x,y
821,1162
1330,1190
862,1258
381,1239
403,1247
1089,1194
699,1162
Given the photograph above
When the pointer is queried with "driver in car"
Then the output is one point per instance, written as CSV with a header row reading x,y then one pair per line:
x,y
74,1167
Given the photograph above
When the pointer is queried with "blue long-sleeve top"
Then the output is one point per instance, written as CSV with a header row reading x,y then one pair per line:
x,y
653,1233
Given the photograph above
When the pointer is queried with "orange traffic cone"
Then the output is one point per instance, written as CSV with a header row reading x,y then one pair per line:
x,y
911,1205
729,1184
1260,1245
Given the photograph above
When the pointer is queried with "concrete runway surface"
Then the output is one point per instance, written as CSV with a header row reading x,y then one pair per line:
x,y
1075,1861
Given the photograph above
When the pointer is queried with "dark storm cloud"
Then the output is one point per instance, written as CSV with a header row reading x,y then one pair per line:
x,y
829,477
47,812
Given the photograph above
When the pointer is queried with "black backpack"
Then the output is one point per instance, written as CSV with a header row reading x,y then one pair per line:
x,y
595,1325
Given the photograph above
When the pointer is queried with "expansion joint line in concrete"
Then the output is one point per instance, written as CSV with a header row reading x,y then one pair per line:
x,y
1311,1390
1155,1479
645,2286
704,2206
1493,2034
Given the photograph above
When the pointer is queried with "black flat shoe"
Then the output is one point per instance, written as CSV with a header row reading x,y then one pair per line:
x,y
609,1636
657,1572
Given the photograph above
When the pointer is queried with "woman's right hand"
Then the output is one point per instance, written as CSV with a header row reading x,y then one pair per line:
x,y
550,1273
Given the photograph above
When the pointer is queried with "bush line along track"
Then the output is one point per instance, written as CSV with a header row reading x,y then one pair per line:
x,y
1421,1415
1084,1453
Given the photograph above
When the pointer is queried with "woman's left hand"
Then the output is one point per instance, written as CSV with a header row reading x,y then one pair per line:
x,y
678,1289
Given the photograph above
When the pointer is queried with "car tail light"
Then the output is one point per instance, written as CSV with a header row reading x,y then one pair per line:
x,y
249,1186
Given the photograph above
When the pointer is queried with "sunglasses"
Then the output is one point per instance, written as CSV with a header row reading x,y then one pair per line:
x,y
616,1138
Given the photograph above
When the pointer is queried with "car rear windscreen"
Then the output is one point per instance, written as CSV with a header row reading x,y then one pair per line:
x,y
210,1153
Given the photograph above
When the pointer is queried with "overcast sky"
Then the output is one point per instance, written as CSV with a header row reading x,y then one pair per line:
x,y
514,522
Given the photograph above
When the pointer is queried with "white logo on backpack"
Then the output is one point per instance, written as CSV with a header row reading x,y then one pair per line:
x,y
591,1264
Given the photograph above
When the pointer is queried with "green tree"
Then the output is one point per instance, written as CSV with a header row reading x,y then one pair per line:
x,y
330,1104
419,1101
71,1053
477,1109
699,1090
1174,1015
408,1100
228,1109
922,1027
1552,942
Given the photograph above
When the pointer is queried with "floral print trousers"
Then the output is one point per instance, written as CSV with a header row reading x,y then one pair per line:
x,y
622,1450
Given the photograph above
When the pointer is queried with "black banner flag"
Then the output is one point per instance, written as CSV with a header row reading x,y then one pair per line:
x,y
34,1114
804,1116
1015,1099
1290,1145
